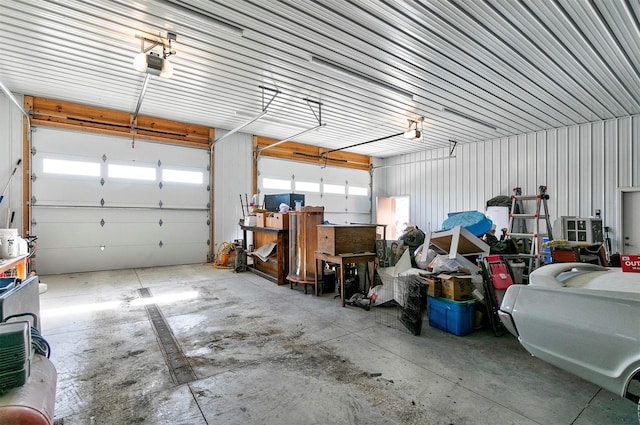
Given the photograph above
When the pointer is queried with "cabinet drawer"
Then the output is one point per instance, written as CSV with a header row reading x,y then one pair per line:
x,y
346,239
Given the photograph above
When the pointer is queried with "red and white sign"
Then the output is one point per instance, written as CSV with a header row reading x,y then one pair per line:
x,y
630,263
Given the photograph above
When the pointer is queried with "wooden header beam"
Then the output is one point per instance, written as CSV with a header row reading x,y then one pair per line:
x,y
55,113
311,154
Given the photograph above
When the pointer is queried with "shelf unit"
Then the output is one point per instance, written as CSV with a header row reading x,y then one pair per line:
x,y
303,242
276,267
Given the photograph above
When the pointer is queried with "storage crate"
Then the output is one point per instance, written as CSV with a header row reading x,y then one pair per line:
x,y
455,317
261,219
401,303
277,221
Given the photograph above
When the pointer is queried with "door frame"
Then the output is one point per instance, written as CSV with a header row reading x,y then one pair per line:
x,y
621,192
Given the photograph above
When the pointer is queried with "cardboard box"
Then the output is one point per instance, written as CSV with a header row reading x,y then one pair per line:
x,y
456,288
277,221
630,263
261,219
456,317
335,239
434,288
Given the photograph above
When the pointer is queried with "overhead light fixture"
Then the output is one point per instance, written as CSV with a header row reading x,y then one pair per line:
x,y
204,14
153,63
468,117
414,133
353,73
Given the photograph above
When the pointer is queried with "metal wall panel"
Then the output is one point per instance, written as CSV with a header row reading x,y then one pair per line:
x,y
10,153
232,177
582,166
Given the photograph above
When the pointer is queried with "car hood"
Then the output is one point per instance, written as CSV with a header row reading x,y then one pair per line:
x,y
585,276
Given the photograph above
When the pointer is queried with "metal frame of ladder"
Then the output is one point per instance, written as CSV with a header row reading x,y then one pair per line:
x,y
535,236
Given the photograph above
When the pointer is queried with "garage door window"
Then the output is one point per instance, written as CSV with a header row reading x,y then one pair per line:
x,y
278,184
308,187
73,168
131,172
337,189
358,191
182,176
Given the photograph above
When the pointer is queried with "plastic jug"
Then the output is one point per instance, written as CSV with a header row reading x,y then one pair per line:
x,y
8,243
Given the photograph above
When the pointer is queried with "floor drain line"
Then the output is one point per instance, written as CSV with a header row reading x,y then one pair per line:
x,y
179,368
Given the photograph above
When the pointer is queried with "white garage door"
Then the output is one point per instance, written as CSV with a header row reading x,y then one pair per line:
x,y
344,193
99,203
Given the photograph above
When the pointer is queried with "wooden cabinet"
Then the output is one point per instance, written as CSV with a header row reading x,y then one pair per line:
x,y
335,239
277,266
303,242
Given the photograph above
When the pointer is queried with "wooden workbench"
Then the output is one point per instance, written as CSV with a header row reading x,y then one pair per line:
x,y
20,264
275,268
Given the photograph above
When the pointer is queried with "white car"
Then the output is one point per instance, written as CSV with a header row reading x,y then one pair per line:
x,y
582,318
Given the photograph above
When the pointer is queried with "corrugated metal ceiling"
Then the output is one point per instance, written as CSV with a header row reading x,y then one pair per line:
x,y
473,69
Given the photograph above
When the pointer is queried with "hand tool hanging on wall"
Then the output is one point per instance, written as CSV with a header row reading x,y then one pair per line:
x,y
242,206
10,178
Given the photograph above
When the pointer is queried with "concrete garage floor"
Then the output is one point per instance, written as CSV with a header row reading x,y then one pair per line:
x,y
258,353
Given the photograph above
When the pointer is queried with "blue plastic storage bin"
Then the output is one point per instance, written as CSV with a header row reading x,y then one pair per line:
x,y
7,283
456,317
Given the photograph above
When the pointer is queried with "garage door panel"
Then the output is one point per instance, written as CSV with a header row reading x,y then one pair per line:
x,y
140,228
184,196
358,204
55,260
142,223
46,191
133,194
338,207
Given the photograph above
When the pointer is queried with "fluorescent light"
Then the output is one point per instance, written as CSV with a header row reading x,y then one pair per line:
x,y
353,73
204,14
470,118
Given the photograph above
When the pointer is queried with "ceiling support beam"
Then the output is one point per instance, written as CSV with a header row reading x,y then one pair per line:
x,y
256,118
318,118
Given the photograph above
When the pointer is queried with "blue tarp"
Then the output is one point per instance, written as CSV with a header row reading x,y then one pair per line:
x,y
474,221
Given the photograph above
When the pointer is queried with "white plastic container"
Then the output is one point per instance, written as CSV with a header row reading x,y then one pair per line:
x,y
22,247
8,243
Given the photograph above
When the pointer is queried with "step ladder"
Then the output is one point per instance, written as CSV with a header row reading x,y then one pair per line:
x,y
518,224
